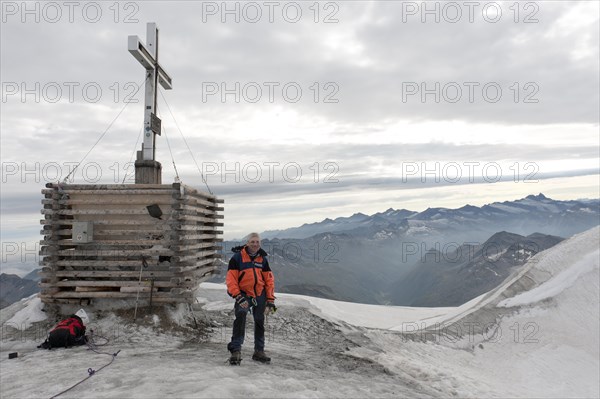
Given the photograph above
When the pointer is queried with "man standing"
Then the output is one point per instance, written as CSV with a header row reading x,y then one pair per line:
x,y
250,281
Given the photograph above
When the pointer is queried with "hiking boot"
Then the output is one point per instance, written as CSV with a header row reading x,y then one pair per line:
x,y
236,358
260,356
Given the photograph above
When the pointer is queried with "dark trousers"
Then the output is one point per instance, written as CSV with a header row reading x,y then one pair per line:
x,y
239,324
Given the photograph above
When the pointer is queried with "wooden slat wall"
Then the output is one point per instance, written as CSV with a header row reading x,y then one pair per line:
x,y
180,250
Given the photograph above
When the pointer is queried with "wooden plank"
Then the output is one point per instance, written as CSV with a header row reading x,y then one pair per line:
x,y
65,232
199,213
184,237
114,294
207,225
49,290
191,210
96,249
118,264
112,284
190,241
116,232
198,229
195,257
202,198
195,271
107,253
197,202
187,190
151,222
202,203
195,227
87,187
89,289
111,192
108,195
192,247
192,218
195,266
102,211
51,228
165,273
185,251
103,263
104,243
171,300
125,200
137,289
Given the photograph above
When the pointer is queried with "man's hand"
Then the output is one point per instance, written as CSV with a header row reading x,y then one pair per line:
x,y
242,301
271,308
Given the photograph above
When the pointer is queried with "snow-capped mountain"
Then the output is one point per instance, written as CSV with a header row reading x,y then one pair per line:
x,y
367,258
535,213
394,272
536,335
13,288
457,276
356,258
342,224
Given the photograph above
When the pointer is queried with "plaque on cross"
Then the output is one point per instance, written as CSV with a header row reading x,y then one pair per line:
x,y
147,55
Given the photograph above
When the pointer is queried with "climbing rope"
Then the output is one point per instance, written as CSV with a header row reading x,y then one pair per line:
x,y
186,143
92,346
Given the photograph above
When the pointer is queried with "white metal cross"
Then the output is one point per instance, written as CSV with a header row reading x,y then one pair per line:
x,y
148,57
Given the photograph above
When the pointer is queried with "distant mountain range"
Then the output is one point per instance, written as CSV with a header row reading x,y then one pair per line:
x,y
438,257
535,213
386,258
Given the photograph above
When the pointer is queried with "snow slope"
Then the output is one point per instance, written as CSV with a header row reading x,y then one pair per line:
x,y
537,335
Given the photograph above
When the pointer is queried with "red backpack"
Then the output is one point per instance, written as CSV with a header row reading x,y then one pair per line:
x,y
68,332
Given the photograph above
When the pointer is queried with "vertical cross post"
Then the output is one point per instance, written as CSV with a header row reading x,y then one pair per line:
x,y
147,55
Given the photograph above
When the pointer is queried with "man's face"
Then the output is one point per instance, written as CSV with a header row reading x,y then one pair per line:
x,y
254,244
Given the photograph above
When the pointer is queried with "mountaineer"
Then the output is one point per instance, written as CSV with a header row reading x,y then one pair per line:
x,y
250,281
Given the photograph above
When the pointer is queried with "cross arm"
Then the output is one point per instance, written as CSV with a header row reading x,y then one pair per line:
x,y
164,79
139,52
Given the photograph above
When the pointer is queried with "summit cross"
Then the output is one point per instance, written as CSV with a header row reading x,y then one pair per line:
x,y
147,55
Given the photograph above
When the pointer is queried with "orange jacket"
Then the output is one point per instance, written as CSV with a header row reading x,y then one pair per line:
x,y
250,276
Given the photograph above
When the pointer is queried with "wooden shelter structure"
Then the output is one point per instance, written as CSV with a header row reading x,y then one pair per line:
x,y
101,241
150,241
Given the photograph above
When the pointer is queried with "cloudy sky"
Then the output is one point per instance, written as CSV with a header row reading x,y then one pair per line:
x,y
298,111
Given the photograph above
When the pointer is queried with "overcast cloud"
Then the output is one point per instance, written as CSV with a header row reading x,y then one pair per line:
x,y
353,108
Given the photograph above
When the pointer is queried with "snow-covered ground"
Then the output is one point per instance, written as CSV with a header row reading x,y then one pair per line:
x,y
537,335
